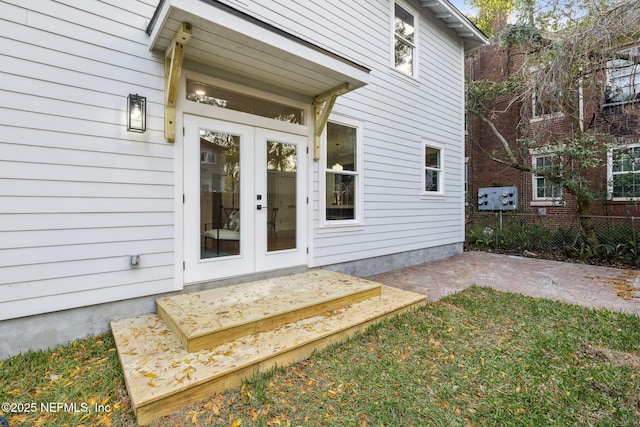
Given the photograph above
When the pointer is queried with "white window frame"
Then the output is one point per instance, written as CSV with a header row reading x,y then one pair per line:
x,y
611,173
466,181
535,117
424,168
633,74
414,44
539,117
329,224
540,201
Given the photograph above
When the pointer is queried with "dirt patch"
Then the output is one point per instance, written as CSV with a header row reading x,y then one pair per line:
x,y
615,357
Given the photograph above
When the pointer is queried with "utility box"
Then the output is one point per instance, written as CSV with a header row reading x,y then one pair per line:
x,y
498,199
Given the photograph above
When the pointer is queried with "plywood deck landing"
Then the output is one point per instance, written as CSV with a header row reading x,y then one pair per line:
x,y
205,319
162,376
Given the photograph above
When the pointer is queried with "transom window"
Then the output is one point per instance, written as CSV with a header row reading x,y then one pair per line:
x,y
223,98
404,28
625,172
342,173
433,169
544,188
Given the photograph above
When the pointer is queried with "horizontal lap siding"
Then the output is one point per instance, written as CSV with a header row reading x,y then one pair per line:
x,y
398,115
79,194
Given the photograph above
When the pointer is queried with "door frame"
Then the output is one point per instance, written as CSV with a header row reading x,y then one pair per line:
x,y
206,111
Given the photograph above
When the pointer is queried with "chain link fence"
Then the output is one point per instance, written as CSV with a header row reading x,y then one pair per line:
x,y
601,239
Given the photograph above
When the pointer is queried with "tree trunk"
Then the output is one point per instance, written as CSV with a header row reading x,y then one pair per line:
x,y
587,228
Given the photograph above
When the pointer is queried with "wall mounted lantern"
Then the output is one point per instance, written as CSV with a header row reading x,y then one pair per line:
x,y
136,113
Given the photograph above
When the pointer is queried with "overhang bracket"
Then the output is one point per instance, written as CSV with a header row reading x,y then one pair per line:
x,y
173,58
322,106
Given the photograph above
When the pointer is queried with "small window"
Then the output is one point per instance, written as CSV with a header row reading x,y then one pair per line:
x,y
433,170
405,38
544,188
625,172
623,77
543,106
545,99
342,173
466,180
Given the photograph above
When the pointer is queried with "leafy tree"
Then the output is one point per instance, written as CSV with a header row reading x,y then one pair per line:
x,y
493,14
559,53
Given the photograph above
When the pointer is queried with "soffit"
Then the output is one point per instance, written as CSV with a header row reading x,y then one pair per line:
x,y
229,43
454,19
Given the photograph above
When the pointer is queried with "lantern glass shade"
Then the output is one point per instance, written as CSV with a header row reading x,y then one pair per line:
x,y
136,113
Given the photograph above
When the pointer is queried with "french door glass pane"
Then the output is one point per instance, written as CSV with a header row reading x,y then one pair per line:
x,y
219,194
281,196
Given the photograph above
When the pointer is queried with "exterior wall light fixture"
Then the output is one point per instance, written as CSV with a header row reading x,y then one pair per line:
x,y
136,113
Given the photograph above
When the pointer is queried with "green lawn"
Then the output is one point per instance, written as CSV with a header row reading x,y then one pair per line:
x,y
480,357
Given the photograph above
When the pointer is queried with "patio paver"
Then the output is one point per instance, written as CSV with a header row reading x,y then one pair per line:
x,y
586,285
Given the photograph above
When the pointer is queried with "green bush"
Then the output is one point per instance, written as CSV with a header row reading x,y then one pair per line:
x,y
615,244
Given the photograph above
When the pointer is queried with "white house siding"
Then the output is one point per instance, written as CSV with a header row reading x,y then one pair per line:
x,y
78,193
398,114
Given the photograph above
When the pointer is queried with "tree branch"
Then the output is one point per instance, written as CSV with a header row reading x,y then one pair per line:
x,y
496,132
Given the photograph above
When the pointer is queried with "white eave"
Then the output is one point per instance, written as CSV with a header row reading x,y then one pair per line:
x,y
232,44
443,10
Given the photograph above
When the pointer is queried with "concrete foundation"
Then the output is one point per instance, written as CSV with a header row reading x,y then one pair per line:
x,y
370,266
59,328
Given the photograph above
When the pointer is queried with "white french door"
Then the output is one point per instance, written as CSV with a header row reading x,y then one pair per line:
x,y
244,199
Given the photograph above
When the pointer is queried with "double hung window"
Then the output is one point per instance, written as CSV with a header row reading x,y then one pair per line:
x,y
625,172
623,77
405,40
543,187
342,173
433,169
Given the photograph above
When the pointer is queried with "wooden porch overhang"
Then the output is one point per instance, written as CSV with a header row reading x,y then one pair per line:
x,y
232,45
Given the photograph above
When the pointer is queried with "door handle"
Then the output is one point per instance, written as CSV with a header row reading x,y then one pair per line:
x,y
260,207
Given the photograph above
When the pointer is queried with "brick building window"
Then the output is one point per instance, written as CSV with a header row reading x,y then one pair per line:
x,y
623,77
543,188
624,172
543,106
545,99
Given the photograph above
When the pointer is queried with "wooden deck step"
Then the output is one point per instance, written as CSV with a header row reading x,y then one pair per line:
x,y
207,319
162,376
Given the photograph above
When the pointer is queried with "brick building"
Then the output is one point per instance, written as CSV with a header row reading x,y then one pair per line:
x,y
616,116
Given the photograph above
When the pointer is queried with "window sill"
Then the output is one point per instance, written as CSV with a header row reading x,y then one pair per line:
x,y
329,228
410,79
433,195
547,203
624,199
617,103
552,116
